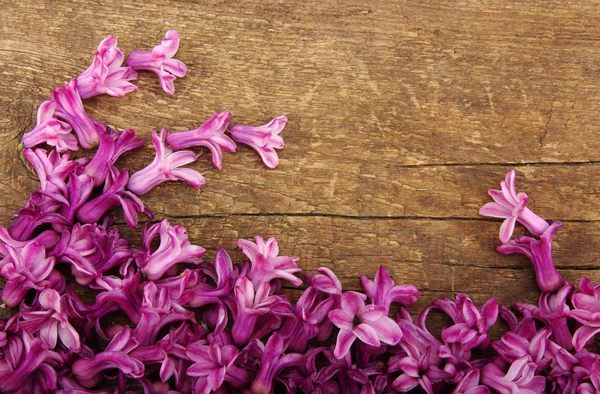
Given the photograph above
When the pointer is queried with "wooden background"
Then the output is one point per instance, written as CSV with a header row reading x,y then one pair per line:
x,y
402,115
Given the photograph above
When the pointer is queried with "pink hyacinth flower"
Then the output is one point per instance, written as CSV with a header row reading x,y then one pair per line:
x,y
520,378
510,206
51,164
272,362
70,108
383,292
264,139
266,264
469,384
214,365
105,74
53,322
369,323
211,134
50,130
165,167
160,61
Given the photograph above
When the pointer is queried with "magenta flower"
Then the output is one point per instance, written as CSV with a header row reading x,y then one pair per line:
x,y
48,165
273,361
27,269
417,370
512,347
105,74
91,250
165,167
382,291
215,365
266,264
160,61
370,324
50,131
70,108
586,311
520,378
211,134
552,311
116,355
327,282
540,254
174,248
53,322
113,195
511,206
263,139
121,294
470,384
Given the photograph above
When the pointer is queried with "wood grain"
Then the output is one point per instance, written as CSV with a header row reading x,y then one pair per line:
x,y
402,114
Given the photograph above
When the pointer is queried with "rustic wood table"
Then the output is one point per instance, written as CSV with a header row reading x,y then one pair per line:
x,y
402,115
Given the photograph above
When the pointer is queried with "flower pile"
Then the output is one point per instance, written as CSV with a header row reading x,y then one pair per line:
x,y
166,321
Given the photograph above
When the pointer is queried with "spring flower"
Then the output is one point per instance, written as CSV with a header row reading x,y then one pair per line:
x,y
586,311
263,139
470,384
418,370
510,206
370,324
214,365
160,61
382,291
520,378
266,264
53,164
105,74
50,131
211,134
165,167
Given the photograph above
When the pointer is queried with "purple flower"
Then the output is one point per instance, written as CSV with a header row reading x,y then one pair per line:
x,y
266,264
174,248
540,254
113,195
511,206
165,167
40,208
116,355
470,384
382,291
586,312
160,61
520,378
50,130
214,365
70,108
112,146
327,282
273,361
105,74
263,139
91,250
53,322
370,324
124,293
257,311
211,134
48,165
512,347
587,372
418,370
27,269
552,311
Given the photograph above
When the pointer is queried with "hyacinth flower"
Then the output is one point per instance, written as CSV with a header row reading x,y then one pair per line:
x,y
417,370
113,195
50,131
520,378
586,311
512,347
257,311
266,265
52,323
213,365
156,313
540,254
587,372
70,108
470,384
327,282
552,311
112,145
263,139
510,206
116,355
272,362
121,293
48,238
105,74
53,164
160,61
174,248
370,324
165,167
27,269
211,134
382,291
91,250
222,274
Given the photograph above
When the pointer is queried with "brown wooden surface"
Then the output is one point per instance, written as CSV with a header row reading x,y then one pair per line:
x,y
402,115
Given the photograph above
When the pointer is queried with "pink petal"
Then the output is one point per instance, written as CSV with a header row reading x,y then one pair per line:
x,y
367,334
345,340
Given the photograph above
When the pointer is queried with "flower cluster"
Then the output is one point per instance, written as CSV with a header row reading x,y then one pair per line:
x,y
167,320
